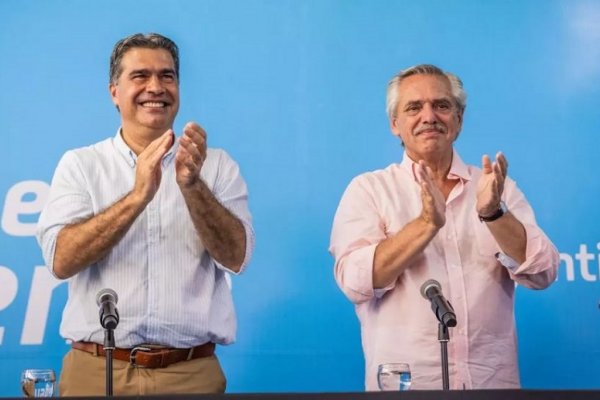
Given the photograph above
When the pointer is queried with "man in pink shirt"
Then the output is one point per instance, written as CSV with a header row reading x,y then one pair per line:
x,y
434,217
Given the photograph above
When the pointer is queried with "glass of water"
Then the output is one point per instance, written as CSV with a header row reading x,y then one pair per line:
x,y
38,382
393,377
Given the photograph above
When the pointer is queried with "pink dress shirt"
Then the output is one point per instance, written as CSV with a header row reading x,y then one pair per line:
x,y
397,324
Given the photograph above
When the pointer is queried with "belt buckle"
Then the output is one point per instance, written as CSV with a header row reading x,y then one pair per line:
x,y
134,352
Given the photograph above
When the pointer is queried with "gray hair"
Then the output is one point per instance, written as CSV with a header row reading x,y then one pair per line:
x,y
392,98
148,41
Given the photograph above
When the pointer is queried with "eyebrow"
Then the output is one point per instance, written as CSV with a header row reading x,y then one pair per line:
x,y
146,71
434,101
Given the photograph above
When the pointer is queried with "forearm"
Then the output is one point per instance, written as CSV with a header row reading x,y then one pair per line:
x,y
395,254
510,235
83,243
221,232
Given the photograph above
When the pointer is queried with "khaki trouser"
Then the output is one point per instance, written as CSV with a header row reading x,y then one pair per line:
x,y
84,374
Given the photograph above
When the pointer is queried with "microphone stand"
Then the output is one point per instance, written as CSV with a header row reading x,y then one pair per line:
x,y
109,319
109,346
443,338
432,291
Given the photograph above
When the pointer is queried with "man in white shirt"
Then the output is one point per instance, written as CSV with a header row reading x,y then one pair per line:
x,y
159,219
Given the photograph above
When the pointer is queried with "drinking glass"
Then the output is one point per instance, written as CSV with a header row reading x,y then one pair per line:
x,y
38,382
393,377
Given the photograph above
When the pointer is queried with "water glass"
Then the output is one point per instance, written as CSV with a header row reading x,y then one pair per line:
x,y
393,377
38,382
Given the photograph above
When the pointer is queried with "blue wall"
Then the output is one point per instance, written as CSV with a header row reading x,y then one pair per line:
x,y
295,91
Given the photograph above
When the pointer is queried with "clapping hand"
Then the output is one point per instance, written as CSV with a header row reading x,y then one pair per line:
x,y
190,154
491,184
434,204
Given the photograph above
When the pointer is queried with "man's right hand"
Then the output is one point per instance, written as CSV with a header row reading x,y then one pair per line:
x,y
434,204
148,168
83,243
397,252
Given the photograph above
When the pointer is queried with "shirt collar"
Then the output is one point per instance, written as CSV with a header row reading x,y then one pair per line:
x,y
458,169
130,156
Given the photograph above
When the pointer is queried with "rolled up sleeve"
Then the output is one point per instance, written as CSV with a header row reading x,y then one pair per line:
x,y
68,202
539,269
232,192
357,231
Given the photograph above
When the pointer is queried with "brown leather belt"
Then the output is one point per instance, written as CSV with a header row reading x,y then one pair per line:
x,y
148,357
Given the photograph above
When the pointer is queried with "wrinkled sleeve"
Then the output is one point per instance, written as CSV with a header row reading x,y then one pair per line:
x,y
357,230
69,201
231,191
542,258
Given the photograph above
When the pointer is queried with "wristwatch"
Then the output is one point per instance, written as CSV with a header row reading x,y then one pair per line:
x,y
501,211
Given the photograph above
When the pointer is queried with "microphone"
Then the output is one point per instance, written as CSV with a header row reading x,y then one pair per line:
x,y
432,291
109,316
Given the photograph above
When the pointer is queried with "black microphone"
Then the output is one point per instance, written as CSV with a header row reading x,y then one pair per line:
x,y
107,300
432,291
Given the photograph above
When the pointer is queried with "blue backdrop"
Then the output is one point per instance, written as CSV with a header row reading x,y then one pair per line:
x,y
295,92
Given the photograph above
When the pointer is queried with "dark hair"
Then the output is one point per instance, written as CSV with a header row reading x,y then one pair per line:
x,y
148,41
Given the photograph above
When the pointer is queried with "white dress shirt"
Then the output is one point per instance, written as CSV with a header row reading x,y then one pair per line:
x,y
171,291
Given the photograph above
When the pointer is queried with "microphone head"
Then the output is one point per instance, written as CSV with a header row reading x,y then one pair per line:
x,y
106,292
432,283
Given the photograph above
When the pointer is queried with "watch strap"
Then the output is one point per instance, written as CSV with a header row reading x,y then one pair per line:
x,y
501,211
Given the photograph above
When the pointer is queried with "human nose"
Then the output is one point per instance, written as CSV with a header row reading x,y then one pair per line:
x,y
155,85
428,114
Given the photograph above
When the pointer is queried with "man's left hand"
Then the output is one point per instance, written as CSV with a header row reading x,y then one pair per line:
x,y
190,155
491,184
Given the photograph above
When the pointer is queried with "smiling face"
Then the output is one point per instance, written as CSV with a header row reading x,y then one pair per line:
x,y
147,92
427,117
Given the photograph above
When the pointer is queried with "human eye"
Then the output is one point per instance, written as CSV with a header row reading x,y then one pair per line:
x,y
412,108
443,105
138,76
168,77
